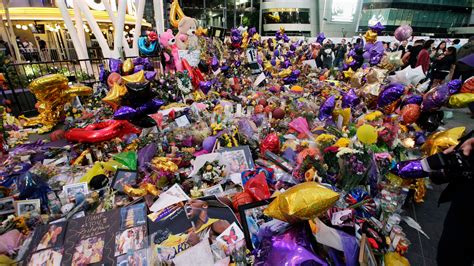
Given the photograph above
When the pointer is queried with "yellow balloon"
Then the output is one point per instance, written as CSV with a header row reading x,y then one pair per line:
x,y
370,36
176,14
52,92
304,201
127,66
97,169
135,77
114,96
442,140
461,100
367,134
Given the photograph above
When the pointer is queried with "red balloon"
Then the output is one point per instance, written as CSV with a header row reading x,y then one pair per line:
x,y
101,131
278,113
258,109
114,78
241,198
57,135
257,187
270,143
410,113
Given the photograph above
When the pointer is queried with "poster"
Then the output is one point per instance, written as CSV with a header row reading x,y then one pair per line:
x,y
185,224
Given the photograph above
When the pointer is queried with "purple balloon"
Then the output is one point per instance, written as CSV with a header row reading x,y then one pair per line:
x,y
214,63
291,248
150,107
320,38
273,62
285,64
376,52
145,155
454,86
138,61
413,99
409,169
292,78
125,113
205,86
237,63
208,143
252,31
390,94
293,47
327,108
403,32
286,38
224,68
138,68
102,74
150,75
435,98
115,65
350,99
377,27
276,53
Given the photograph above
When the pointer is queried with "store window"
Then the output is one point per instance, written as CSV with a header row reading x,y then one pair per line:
x,y
286,15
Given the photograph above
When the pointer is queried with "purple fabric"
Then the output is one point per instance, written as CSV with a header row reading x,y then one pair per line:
x,y
145,155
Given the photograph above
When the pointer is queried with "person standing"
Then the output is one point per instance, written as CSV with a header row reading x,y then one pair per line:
x,y
438,51
442,65
341,50
411,56
327,55
423,58
457,44
467,48
403,47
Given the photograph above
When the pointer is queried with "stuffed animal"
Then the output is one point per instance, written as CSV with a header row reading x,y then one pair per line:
x,y
168,42
186,37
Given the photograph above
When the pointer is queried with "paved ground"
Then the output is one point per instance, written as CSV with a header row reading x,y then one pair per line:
x,y
422,251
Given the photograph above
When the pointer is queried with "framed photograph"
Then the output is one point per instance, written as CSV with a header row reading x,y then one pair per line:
x,y
88,251
28,206
134,258
72,189
238,159
131,239
254,220
124,177
7,205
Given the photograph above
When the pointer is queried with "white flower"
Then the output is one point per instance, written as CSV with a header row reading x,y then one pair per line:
x,y
344,150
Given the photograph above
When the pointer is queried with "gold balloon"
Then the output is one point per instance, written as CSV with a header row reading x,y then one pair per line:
x,y
391,61
344,113
164,164
52,92
135,77
201,31
284,73
460,100
376,75
356,79
79,90
348,73
440,141
127,66
114,96
176,14
420,190
370,36
304,201
143,190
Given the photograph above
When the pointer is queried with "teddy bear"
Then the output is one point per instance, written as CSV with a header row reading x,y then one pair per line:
x,y
168,42
186,37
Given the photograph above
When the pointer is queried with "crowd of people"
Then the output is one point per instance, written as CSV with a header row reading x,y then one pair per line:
x,y
438,61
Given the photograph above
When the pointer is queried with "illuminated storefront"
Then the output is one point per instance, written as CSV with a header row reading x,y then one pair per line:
x,y
46,23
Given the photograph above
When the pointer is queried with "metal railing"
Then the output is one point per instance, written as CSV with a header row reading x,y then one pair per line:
x,y
19,75
55,54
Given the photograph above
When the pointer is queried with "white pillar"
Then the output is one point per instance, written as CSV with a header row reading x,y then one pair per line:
x,y
12,33
159,20
138,25
118,31
94,27
110,7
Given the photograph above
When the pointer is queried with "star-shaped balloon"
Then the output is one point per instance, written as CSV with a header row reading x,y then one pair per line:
x,y
348,73
377,27
320,38
135,77
408,76
370,36
114,96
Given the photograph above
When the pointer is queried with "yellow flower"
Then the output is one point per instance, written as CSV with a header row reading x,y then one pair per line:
x,y
373,116
324,138
342,142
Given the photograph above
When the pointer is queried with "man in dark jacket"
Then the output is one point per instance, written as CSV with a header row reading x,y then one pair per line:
x,y
456,245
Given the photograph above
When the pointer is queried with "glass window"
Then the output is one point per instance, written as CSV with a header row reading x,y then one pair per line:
x,y
286,15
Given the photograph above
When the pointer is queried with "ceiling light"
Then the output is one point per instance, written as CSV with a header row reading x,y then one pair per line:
x,y
24,27
18,26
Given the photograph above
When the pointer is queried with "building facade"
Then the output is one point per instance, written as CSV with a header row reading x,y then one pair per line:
x,y
427,17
